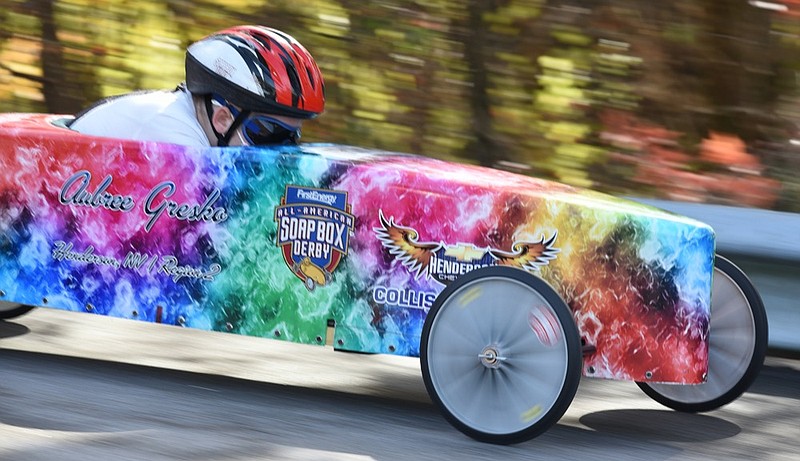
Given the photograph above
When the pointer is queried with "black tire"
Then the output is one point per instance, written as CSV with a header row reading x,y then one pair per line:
x,y
13,310
739,329
500,355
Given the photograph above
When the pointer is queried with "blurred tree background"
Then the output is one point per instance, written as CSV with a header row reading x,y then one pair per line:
x,y
684,100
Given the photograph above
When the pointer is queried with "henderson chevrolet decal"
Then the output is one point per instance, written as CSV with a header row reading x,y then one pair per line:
x,y
446,262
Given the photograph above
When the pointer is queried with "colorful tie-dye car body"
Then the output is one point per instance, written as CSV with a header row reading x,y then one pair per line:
x,y
508,288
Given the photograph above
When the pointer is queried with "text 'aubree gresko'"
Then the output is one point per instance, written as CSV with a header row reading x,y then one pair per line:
x,y
76,192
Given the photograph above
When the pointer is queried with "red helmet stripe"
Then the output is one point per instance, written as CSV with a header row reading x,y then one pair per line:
x,y
280,65
288,62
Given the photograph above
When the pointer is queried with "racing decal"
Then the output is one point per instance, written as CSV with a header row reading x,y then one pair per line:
x,y
403,297
445,262
76,193
314,228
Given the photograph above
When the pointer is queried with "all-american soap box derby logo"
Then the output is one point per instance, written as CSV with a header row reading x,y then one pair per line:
x,y
314,228
445,262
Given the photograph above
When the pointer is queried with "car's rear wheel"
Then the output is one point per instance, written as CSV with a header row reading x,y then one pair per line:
x,y
738,337
500,355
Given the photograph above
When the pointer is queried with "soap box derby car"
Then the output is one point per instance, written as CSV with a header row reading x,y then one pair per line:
x,y
508,288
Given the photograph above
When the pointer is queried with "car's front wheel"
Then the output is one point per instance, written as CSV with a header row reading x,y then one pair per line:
x,y
500,355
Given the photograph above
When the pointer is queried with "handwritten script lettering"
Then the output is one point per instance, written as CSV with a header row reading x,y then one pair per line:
x,y
76,191
171,267
64,251
157,204
143,263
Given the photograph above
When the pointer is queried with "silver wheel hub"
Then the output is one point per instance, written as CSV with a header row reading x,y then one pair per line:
x,y
490,357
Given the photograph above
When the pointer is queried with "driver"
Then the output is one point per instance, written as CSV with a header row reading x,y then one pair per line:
x,y
245,86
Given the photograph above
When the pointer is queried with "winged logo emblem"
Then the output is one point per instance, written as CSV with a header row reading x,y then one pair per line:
x,y
527,255
444,262
403,243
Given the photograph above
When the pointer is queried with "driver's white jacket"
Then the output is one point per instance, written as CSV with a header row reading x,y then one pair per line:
x,y
162,116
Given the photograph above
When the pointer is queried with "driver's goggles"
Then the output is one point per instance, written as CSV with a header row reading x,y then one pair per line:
x,y
259,129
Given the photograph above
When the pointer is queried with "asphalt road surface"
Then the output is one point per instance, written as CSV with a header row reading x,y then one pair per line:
x,y
84,387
